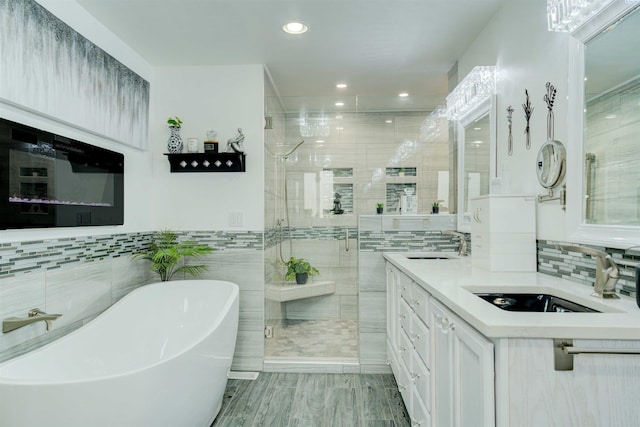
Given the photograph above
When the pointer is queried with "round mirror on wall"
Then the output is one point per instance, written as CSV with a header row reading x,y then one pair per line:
x,y
550,164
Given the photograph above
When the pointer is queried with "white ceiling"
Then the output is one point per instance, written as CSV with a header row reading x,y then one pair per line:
x,y
378,47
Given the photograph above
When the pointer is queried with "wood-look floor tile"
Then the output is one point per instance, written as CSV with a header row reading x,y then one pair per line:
x,y
341,408
375,404
275,409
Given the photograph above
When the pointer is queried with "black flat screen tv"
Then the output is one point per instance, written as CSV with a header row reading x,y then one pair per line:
x,y
48,180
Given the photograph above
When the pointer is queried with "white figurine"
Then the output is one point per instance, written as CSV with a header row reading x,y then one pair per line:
x,y
236,144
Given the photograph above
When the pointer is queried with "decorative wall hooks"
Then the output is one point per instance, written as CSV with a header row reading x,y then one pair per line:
x,y
510,111
528,111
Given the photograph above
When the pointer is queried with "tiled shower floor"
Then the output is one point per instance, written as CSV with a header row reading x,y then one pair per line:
x,y
314,338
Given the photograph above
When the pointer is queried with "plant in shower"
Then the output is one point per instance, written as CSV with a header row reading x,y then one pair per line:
x,y
167,255
300,269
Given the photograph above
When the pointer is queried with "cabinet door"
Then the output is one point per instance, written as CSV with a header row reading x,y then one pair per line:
x,y
473,376
462,371
441,368
392,306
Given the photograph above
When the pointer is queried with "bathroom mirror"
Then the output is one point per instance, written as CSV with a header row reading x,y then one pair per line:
x,y
550,164
476,151
605,84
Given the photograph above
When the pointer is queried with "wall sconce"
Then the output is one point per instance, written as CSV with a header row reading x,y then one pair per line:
x,y
477,86
568,15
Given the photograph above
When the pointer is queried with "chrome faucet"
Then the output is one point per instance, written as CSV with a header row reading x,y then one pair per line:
x,y
463,249
607,273
35,315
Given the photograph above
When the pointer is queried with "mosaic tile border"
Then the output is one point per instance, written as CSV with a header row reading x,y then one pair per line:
x,y
18,258
330,232
407,241
582,269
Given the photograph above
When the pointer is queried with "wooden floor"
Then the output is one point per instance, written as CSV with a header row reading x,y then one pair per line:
x,y
314,400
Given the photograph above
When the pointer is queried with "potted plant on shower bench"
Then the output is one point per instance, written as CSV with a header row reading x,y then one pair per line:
x,y
166,254
301,269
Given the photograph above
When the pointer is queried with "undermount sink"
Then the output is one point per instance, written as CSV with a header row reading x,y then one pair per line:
x,y
435,255
531,302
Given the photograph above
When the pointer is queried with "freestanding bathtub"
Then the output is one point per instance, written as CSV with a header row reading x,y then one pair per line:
x,y
158,357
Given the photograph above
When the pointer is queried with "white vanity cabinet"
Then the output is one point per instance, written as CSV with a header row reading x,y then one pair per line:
x,y
408,343
463,375
503,233
443,367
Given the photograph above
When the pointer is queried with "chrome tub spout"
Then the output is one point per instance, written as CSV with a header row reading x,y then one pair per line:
x,y
35,315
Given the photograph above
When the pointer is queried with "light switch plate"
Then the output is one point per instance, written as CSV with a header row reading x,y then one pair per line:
x,y
236,219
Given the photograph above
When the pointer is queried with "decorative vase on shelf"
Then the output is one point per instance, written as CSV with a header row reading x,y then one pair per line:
x,y
174,144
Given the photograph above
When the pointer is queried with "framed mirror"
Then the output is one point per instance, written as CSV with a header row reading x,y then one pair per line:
x,y
476,157
605,120
550,164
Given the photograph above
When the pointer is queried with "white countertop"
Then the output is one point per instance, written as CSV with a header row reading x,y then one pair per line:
x,y
453,281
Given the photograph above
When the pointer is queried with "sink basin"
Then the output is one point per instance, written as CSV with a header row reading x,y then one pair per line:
x,y
531,302
429,257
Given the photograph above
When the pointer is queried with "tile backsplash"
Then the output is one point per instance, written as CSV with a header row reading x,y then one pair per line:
x,y
582,268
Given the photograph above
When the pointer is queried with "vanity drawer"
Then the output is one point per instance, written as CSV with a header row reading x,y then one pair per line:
x,y
405,314
420,337
421,381
420,302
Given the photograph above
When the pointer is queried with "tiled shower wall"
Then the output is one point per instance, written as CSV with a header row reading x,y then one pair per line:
x,y
390,233
82,276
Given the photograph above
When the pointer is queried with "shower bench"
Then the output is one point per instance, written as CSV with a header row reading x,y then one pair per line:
x,y
284,293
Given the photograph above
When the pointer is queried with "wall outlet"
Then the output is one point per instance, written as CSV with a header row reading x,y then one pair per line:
x,y
236,219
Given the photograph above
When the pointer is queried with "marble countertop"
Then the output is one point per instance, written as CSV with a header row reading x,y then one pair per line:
x,y
453,281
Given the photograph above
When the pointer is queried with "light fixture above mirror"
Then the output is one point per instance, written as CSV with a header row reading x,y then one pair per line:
x,y
475,88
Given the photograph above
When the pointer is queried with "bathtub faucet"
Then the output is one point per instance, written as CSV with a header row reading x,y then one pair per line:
x,y
35,315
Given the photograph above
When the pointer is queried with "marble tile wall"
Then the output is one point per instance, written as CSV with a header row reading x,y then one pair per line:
x,y
80,277
581,268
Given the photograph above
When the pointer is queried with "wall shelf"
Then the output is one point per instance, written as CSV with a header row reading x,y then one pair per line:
x,y
207,162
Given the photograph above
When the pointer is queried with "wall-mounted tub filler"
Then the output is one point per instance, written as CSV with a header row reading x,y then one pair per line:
x,y
607,273
35,315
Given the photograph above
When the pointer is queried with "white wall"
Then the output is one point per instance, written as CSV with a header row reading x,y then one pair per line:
x,y
527,56
223,98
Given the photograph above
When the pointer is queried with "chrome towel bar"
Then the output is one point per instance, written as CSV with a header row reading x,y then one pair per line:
x,y
564,350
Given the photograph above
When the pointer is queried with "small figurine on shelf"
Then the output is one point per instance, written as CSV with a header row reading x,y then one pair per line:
x,y
337,205
235,145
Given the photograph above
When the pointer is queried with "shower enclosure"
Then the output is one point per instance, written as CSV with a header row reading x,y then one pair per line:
x,y
349,162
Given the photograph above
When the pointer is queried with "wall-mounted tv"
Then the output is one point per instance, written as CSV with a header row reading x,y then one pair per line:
x,y
47,180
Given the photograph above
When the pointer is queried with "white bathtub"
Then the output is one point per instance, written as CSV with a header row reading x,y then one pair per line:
x,y
158,357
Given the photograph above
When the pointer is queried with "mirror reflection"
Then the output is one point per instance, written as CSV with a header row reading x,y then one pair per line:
x,y
612,124
476,160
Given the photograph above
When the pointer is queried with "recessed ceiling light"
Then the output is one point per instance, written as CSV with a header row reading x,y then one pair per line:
x,y
388,121
341,85
403,94
320,141
476,142
339,104
339,128
477,128
338,116
610,116
295,28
